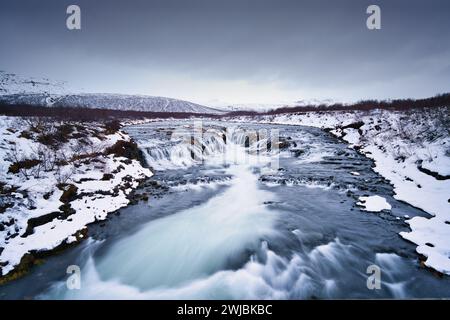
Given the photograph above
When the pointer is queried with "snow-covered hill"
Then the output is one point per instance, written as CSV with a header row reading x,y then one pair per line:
x,y
43,92
108,101
11,83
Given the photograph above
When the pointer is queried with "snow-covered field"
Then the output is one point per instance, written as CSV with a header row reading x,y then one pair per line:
x,y
55,178
411,149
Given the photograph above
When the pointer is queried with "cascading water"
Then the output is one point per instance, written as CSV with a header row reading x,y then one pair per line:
x,y
187,148
200,241
284,231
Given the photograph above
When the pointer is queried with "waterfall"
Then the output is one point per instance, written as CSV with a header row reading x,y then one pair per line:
x,y
187,148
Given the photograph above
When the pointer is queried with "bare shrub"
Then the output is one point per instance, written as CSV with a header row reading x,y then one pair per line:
x,y
21,164
63,174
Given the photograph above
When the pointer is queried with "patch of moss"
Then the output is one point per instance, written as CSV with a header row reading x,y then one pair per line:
x,y
36,258
27,261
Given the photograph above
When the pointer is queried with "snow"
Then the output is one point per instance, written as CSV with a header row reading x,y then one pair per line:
x,y
109,101
431,236
351,136
15,89
374,203
11,83
440,163
266,106
30,200
399,142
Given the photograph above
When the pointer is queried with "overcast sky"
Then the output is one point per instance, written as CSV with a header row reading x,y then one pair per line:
x,y
233,51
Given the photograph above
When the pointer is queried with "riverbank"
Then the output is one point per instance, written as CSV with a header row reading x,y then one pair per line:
x,y
411,149
55,179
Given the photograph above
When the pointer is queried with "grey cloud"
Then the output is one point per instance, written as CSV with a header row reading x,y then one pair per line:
x,y
297,44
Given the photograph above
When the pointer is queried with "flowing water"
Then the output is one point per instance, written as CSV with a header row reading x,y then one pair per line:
x,y
231,216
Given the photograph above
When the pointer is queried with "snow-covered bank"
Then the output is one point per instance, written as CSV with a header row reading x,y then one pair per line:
x,y
57,177
412,150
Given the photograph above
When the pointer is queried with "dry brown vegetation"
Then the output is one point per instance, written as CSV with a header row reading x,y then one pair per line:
x,y
84,114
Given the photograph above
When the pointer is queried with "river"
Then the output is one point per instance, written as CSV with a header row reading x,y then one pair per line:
x,y
233,217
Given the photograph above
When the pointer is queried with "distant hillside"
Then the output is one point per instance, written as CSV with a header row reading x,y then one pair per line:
x,y
442,100
108,101
11,83
16,90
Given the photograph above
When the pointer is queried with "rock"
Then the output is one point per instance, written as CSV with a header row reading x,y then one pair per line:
x,y
127,149
298,152
355,125
247,142
283,145
47,195
107,176
69,193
